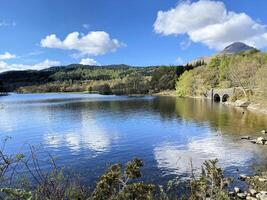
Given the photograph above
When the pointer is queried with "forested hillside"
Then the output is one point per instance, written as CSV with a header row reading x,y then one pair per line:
x,y
111,79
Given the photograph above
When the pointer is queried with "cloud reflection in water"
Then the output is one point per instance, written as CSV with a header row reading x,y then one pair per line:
x,y
175,159
90,135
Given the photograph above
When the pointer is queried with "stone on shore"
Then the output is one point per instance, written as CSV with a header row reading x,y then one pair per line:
x,y
237,190
263,131
253,141
242,103
262,179
242,177
252,192
251,198
245,138
241,195
261,140
261,196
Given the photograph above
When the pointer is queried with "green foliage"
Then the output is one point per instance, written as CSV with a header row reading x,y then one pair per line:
x,y
211,183
113,79
215,62
17,194
114,184
184,84
164,78
140,191
196,82
98,79
245,70
109,183
132,170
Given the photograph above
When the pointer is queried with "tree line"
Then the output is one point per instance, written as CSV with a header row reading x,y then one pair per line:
x,y
111,79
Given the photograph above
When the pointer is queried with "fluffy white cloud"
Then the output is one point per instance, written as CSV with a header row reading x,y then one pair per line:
x,y
210,23
6,56
94,43
45,64
89,61
42,65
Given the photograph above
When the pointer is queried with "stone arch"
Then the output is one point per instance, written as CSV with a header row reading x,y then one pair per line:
x,y
216,98
225,97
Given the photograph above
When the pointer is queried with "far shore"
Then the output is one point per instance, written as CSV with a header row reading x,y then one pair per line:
x,y
253,107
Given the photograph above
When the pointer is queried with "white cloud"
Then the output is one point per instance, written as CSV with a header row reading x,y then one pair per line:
x,y
35,53
210,23
185,44
89,61
5,23
42,65
86,26
94,43
6,56
45,64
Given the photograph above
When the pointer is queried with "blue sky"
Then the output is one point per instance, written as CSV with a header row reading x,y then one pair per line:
x,y
140,32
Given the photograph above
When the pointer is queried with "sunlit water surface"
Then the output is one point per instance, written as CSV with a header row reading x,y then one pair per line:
x,y
86,133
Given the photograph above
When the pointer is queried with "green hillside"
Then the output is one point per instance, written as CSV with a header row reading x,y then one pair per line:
x,y
246,70
110,79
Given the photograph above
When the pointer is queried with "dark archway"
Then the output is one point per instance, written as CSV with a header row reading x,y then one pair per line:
x,y
2,89
216,98
225,97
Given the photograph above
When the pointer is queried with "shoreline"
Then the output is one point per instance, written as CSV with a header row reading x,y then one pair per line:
x,y
253,107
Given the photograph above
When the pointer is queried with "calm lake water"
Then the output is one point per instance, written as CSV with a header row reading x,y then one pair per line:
x,y
86,133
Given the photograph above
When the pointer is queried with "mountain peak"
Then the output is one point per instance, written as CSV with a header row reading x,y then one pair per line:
x,y
237,47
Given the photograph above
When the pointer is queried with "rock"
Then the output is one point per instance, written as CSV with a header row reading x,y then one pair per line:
x,y
252,192
242,177
262,179
241,103
261,196
237,190
245,138
261,140
231,194
241,195
263,131
251,198
253,141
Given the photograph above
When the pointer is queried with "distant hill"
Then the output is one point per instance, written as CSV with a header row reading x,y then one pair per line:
x,y
121,79
237,47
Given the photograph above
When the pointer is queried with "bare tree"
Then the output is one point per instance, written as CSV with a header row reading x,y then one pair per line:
x,y
241,74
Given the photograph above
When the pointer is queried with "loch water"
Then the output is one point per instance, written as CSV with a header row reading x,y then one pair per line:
x,y
88,132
